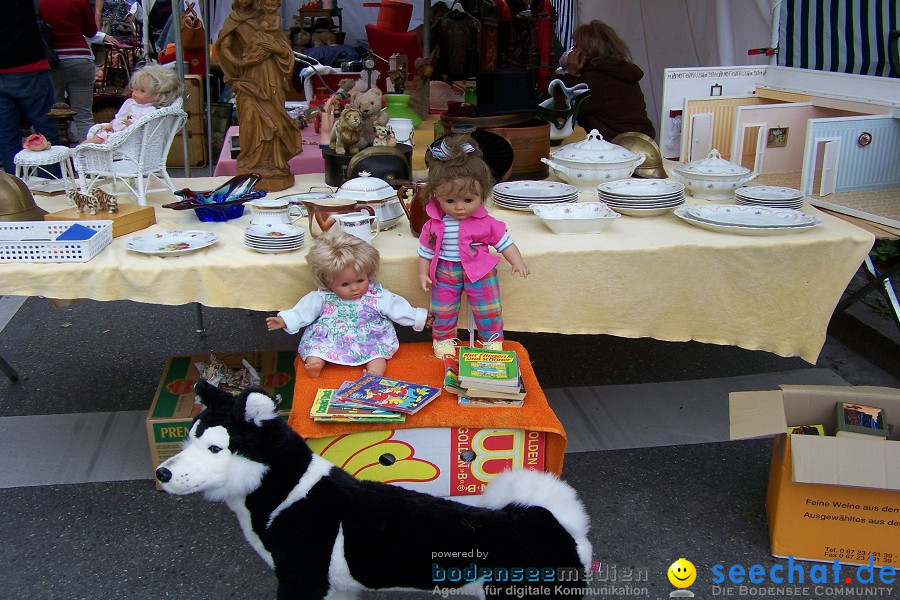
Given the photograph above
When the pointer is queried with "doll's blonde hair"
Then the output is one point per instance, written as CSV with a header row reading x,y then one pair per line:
x,y
469,167
333,252
161,81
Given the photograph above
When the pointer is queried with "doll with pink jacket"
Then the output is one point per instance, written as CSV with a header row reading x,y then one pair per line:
x,y
454,246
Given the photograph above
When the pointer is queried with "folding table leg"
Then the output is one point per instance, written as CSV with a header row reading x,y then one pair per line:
x,y
201,329
7,370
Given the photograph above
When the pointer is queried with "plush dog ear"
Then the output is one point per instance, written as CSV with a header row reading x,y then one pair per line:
x,y
259,407
210,395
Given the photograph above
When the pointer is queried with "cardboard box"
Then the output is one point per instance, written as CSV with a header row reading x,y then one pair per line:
x,y
173,407
440,461
130,217
829,497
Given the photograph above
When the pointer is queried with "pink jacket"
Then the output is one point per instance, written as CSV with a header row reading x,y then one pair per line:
x,y
476,234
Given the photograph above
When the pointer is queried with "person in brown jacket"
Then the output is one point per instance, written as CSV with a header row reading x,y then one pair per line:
x,y
602,60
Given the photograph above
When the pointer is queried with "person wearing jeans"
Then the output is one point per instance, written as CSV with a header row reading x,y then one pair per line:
x,y
73,80
26,90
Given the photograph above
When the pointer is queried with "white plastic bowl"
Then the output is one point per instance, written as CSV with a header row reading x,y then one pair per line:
x,y
575,217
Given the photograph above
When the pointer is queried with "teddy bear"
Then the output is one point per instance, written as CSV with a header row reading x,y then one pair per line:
x,y
384,136
345,134
368,103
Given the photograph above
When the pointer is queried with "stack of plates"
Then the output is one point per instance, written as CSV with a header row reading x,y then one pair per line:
x,y
769,195
641,197
747,220
274,239
521,195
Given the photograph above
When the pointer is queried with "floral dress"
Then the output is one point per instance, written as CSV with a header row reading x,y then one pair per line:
x,y
351,332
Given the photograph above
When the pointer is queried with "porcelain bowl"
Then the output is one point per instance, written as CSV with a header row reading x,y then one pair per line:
x,y
592,161
575,217
712,178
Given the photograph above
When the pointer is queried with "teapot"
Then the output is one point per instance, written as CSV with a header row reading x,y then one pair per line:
x,y
414,200
323,211
375,193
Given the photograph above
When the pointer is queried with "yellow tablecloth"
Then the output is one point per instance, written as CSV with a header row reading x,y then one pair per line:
x,y
643,277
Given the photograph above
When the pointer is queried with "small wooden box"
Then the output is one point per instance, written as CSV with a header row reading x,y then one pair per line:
x,y
130,217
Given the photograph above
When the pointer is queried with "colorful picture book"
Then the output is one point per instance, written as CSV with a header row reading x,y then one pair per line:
x,y
388,394
490,402
473,396
326,409
487,369
807,430
859,420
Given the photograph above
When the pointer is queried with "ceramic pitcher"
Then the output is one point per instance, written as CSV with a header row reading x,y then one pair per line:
x,y
322,212
413,200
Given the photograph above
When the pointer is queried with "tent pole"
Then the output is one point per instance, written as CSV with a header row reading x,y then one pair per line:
x,y
426,30
179,69
207,23
776,25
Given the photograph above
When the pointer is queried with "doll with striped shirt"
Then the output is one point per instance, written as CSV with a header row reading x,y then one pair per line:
x,y
454,246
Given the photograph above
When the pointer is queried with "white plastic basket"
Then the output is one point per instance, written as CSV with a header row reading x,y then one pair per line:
x,y
35,241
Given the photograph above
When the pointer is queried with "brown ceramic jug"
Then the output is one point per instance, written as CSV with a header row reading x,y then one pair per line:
x,y
413,200
322,212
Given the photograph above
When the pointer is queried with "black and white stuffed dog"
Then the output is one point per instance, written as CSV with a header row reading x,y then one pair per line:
x,y
327,534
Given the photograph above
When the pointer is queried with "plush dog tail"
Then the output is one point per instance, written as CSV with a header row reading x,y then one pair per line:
x,y
536,488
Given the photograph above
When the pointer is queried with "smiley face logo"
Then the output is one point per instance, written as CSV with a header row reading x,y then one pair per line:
x,y
682,573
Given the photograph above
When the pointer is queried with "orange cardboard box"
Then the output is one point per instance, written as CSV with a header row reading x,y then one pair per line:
x,y
829,497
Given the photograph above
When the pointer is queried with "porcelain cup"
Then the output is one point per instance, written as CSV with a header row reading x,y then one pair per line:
x,y
361,224
274,212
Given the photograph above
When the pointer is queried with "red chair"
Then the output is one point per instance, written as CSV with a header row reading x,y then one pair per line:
x,y
384,43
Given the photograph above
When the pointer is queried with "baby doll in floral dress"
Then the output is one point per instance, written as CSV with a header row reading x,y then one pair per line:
x,y
348,319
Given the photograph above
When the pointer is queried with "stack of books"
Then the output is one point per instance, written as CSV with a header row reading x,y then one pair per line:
x,y
489,378
371,398
861,421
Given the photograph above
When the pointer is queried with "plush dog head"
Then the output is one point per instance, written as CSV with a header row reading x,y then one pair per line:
x,y
223,456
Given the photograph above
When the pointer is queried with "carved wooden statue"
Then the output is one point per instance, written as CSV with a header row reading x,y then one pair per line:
x,y
257,61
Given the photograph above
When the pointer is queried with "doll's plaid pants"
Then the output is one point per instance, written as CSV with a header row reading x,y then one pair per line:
x,y
483,297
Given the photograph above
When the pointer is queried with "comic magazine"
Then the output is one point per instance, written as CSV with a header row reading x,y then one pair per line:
x,y
389,394
325,410
479,367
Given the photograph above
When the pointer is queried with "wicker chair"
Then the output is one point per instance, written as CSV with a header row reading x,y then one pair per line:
x,y
136,153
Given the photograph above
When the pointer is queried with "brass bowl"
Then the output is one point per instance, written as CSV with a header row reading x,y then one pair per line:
x,y
639,143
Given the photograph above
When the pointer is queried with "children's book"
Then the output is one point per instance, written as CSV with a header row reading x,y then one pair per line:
x,y
806,430
489,402
479,368
325,410
511,394
451,375
389,394
859,420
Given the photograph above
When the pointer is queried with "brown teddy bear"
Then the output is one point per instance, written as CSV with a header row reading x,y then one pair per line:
x,y
368,103
345,134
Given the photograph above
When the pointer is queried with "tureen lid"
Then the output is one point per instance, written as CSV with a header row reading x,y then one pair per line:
x,y
366,188
594,149
713,164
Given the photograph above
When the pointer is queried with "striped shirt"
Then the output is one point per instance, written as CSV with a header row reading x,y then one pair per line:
x,y
450,242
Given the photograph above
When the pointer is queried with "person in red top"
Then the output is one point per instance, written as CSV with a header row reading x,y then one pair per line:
x,y
73,80
26,90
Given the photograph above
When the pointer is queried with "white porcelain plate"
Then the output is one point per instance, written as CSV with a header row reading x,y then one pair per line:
x,y
684,214
751,216
172,243
641,187
768,192
274,232
535,189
